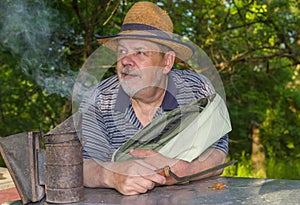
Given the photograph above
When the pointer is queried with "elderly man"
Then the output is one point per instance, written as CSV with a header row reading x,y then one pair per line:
x,y
146,86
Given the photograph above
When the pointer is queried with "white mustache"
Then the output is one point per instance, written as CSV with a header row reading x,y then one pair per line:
x,y
129,71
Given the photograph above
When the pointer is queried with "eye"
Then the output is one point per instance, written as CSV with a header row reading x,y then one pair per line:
x,y
122,52
140,53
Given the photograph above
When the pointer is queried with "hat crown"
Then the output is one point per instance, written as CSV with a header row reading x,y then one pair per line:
x,y
147,21
149,14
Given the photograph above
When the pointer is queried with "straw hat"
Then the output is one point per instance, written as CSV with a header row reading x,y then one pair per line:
x,y
145,20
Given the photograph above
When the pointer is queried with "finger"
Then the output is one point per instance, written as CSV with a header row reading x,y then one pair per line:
x,y
156,178
146,184
137,185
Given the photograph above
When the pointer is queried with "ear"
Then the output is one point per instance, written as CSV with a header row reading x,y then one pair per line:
x,y
169,61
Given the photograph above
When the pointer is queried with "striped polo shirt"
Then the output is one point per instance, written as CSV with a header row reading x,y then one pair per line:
x,y
108,118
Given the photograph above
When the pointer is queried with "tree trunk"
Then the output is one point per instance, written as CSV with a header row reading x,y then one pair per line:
x,y
258,153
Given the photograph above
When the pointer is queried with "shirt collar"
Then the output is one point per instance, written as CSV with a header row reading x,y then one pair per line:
x,y
169,101
123,100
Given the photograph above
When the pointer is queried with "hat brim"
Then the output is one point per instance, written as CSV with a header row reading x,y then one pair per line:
x,y
183,50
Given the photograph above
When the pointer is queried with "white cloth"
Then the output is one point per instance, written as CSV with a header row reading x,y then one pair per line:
x,y
196,128
210,125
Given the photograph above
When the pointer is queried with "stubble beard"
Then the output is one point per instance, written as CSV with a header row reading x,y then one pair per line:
x,y
128,88
133,88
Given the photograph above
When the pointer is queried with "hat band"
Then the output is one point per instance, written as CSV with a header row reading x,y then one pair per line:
x,y
143,27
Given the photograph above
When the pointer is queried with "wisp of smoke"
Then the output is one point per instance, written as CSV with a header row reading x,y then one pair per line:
x,y
32,32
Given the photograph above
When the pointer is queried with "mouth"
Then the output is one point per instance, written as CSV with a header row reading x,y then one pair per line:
x,y
127,74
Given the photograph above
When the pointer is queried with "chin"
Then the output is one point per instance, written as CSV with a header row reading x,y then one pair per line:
x,y
129,91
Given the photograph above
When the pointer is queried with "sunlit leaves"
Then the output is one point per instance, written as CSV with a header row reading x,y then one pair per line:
x,y
254,44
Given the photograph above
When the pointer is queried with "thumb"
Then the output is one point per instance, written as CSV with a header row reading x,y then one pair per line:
x,y
142,153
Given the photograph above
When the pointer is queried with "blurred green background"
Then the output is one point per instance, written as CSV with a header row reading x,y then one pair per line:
x,y
254,45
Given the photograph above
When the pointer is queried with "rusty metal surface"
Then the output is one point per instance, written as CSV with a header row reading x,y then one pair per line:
x,y
63,168
20,155
25,160
41,167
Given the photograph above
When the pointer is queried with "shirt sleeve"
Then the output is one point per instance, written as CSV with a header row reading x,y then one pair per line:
x,y
222,144
95,138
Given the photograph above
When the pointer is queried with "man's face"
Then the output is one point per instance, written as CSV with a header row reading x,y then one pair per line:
x,y
140,65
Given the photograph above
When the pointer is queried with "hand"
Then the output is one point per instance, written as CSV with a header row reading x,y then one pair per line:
x,y
157,160
133,177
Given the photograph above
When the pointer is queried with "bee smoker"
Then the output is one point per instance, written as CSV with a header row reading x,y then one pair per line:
x,y
54,174
63,168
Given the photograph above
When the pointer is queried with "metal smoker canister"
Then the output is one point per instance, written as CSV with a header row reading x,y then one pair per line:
x,y
63,168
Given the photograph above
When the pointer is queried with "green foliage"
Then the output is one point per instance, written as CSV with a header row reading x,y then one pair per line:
x,y
2,164
283,168
24,105
276,168
243,168
254,45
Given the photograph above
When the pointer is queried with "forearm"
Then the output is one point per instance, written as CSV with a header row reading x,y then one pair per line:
x,y
94,174
129,178
208,159
214,158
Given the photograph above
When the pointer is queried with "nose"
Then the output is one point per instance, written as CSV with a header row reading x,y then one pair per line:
x,y
127,60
